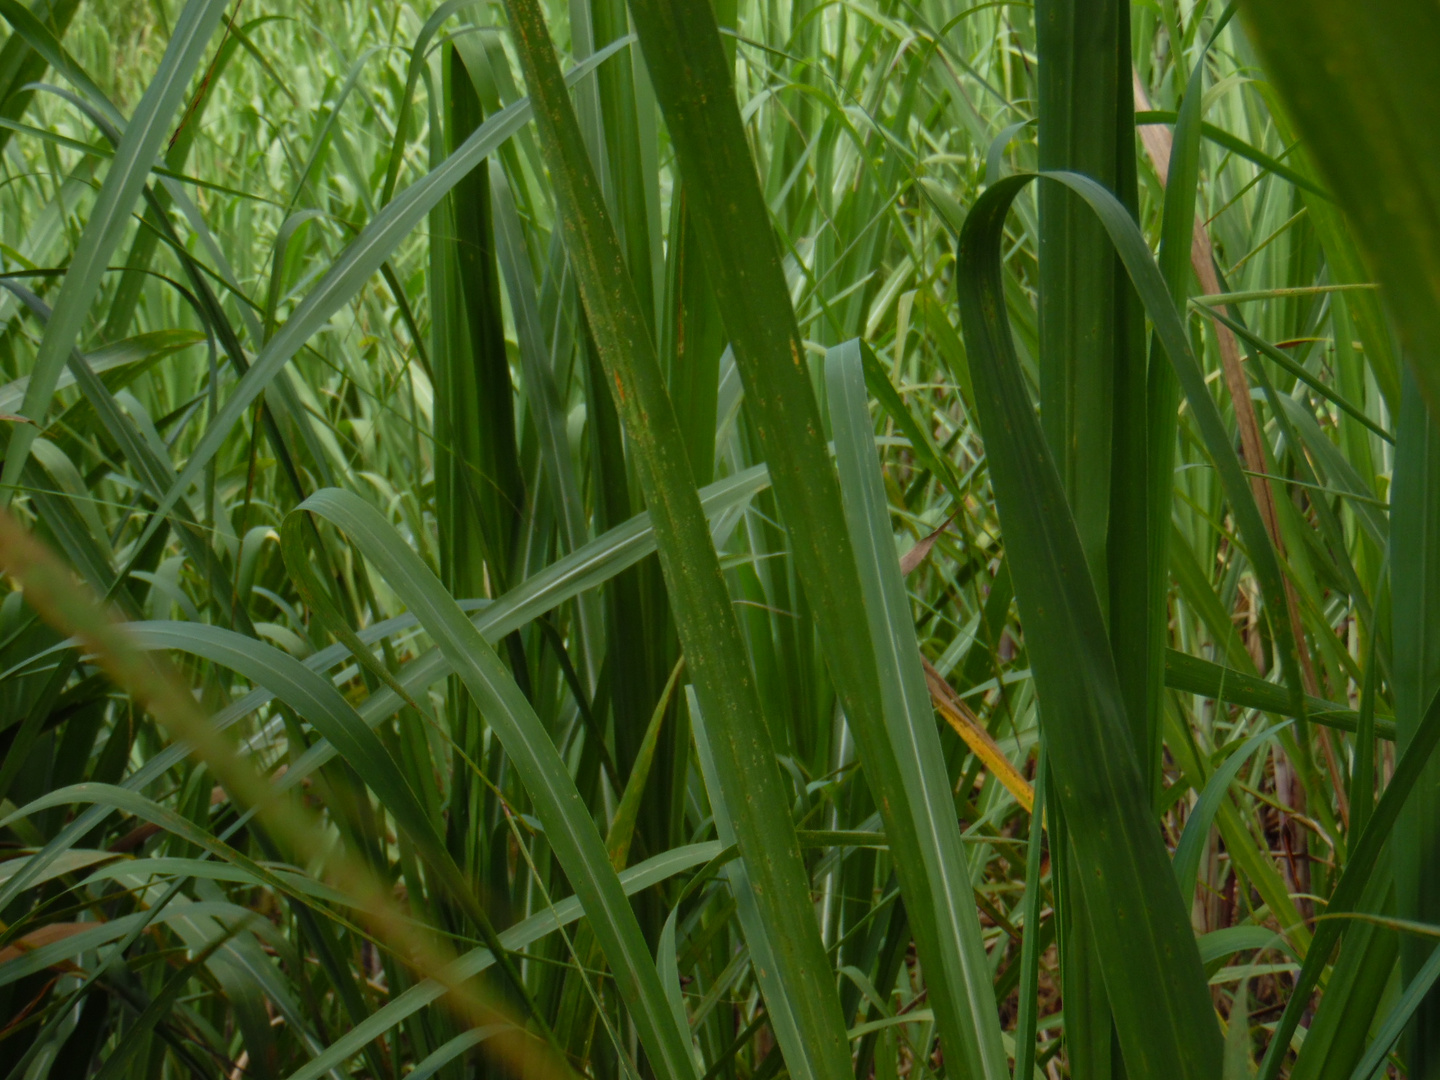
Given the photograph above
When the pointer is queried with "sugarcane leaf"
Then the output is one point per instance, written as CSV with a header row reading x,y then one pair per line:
x,y
910,718
1140,925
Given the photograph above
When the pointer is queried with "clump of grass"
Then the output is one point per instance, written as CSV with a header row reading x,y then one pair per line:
x,y
622,609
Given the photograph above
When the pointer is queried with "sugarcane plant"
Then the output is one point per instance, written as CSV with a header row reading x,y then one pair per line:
x,y
719,540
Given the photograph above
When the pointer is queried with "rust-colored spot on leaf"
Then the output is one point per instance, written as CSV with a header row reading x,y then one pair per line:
x,y
45,935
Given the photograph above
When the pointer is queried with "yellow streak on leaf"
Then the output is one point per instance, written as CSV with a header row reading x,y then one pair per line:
x,y
959,716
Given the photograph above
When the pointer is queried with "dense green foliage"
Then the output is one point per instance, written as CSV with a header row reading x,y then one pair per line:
x,y
590,590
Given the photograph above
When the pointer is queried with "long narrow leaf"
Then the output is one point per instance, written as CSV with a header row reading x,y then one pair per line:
x,y
909,715
1157,989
